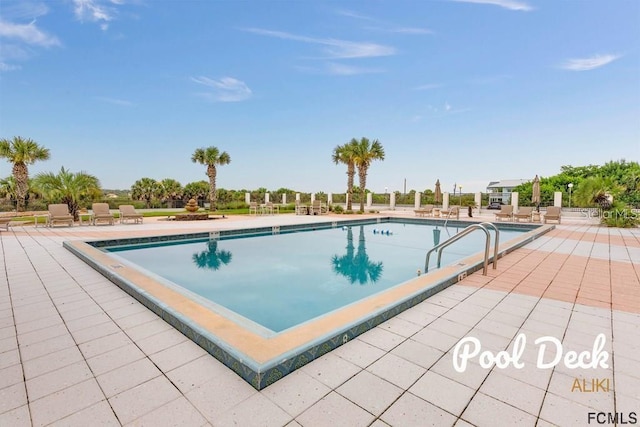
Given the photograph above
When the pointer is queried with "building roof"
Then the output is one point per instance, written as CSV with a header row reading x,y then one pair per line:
x,y
508,183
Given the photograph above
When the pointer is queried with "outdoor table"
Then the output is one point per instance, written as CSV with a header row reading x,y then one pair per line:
x,y
83,215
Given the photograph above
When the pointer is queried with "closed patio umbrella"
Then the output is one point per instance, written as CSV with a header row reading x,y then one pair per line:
x,y
438,192
535,193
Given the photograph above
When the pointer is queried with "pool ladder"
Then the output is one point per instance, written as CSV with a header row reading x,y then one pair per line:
x,y
487,245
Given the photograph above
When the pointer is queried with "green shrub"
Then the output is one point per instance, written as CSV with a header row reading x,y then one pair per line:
x,y
620,217
336,208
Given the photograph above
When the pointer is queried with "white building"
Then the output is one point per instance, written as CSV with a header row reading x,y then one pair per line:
x,y
500,191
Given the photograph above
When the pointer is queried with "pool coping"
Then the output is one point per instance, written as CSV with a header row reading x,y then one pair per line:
x,y
263,360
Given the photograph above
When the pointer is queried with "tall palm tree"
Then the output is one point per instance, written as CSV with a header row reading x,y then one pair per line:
x,y
211,157
22,152
146,189
345,154
365,152
68,187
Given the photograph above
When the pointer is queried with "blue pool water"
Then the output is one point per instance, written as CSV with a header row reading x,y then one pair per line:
x,y
282,280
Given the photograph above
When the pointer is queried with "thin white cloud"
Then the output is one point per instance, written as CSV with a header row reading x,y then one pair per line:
x,y
8,67
227,89
24,10
586,64
335,48
27,33
115,101
507,4
94,11
352,14
349,70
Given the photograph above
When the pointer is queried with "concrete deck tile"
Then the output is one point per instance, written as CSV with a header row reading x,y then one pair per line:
x,y
179,412
65,402
99,414
418,353
114,359
296,392
51,362
514,392
148,329
10,343
43,334
563,412
98,331
472,377
127,376
11,375
197,372
57,380
244,414
335,410
104,344
13,396
443,392
161,341
485,410
215,397
177,355
18,417
142,399
396,370
359,353
411,411
41,348
381,338
562,385
331,370
436,339
400,327
375,403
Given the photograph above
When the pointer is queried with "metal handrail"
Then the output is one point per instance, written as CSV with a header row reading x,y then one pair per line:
x,y
496,244
457,237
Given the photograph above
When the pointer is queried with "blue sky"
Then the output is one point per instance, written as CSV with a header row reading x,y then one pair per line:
x,y
463,91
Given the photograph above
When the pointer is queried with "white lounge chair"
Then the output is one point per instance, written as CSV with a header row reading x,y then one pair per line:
x,y
59,212
128,213
101,213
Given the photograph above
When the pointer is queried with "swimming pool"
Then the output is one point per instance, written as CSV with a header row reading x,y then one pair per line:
x,y
266,301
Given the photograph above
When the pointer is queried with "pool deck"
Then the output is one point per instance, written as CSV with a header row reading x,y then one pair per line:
x,y
77,350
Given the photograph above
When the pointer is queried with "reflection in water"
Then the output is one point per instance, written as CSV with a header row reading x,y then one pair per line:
x,y
436,236
356,266
212,258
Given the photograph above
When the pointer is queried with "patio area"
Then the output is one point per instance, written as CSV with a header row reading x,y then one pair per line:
x,y
77,350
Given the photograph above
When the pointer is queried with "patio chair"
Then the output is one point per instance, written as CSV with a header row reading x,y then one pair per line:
x,y
59,212
553,214
453,211
319,208
101,213
128,213
253,208
4,223
426,210
270,208
523,213
506,212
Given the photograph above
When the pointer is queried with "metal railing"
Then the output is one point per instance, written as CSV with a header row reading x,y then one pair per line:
x,y
459,236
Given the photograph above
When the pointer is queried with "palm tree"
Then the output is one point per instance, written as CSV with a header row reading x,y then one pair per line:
x,y
211,157
22,152
366,152
345,154
146,189
196,190
171,190
68,187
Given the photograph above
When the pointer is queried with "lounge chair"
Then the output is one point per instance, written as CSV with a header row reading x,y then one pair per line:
x,y
319,208
553,214
101,213
301,208
426,210
128,213
4,223
506,212
253,208
453,211
59,213
523,213
270,209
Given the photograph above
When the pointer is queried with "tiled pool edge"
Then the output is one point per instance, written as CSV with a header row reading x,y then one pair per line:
x,y
261,376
